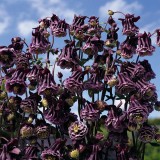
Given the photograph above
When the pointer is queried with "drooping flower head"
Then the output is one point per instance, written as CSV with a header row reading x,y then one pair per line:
x,y
144,47
68,57
90,113
47,84
75,82
125,85
146,133
7,56
129,28
55,150
137,113
58,27
40,43
16,83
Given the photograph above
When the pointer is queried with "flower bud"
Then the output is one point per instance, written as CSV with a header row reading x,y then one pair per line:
x,y
44,103
74,154
110,12
157,106
10,116
3,95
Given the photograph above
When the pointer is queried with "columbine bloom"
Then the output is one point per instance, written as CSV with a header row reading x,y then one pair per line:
x,y
27,130
31,153
125,85
39,44
135,70
16,83
47,84
68,57
136,112
145,89
146,133
144,47
42,129
149,74
75,82
10,150
89,113
115,122
7,56
17,44
128,47
22,61
78,22
158,37
54,151
129,28
77,130
58,27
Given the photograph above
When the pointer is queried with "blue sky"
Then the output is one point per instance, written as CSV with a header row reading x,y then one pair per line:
x,y
18,17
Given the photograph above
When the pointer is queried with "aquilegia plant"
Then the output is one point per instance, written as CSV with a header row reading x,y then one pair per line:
x,y
109,84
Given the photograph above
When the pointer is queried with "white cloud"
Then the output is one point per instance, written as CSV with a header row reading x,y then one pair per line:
x,y
4,19
25,27
119,5
47,8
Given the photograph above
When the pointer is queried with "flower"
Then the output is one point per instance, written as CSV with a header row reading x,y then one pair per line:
x,y
146,133
30,152
27,130
58,27
158,37
47,85
68,57
77,130
10,150
75,82
89,113
145,89
17,44
128,47
129,28
39,43
144,47
54,151
125,85
16,83
7,56
136,112
74,153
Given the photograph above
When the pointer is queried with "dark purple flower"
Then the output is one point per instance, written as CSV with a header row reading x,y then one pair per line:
x,y
146,133
29,105
54,151
145,89
89,113
128,47
115,122
135,70
68,57
137,113
30,153
7,56
27,130
157,137
16,83
77,130
149,74
40,43
144,47
78,22
75,82
129,28
10,150
56,114
122,151
158,37
58,27
17,44
47,84
125,85
42,129
22,61
95,153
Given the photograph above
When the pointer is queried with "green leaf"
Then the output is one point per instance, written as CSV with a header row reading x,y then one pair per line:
x,y
154,144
